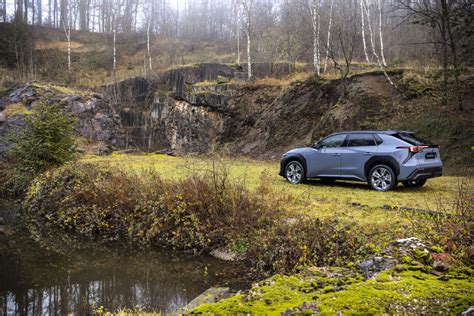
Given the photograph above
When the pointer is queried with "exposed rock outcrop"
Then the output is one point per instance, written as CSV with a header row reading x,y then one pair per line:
x,y
97,121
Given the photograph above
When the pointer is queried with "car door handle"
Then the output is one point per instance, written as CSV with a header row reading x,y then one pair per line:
x,y
336,155
368,154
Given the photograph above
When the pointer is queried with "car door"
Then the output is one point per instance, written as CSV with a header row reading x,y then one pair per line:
x,y
359,148
324,160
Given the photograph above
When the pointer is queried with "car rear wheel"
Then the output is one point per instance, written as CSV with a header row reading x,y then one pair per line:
x,y
382,178
294,172
414,183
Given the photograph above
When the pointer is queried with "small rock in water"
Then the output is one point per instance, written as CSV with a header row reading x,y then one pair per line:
x,y
226,254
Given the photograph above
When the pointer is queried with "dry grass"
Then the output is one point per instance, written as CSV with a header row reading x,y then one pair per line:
x,y
349,199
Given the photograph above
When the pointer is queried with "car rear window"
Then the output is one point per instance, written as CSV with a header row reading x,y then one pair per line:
x,y
411,139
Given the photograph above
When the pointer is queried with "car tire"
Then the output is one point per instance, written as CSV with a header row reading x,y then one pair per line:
x,y
414,183
382,178
294,172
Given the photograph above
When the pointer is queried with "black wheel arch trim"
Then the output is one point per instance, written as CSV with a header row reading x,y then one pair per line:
x,y
388,160
298,157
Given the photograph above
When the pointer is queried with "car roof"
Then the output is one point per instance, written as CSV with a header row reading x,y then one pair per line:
x,y
388,132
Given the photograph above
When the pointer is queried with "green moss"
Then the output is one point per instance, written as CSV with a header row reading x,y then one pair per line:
x,y
405,292
59,89
15,109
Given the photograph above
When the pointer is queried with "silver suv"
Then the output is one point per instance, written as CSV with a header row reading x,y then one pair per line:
x,y
382,158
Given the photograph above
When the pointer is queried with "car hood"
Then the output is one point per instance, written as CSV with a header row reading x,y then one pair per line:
x,y
301,150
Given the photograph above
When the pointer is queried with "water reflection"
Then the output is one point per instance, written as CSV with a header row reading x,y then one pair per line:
x,y
37,281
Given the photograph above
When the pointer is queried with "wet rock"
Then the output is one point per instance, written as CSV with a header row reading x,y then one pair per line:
x,y
307,308
442,261
211,295
374,265
104,151
226,254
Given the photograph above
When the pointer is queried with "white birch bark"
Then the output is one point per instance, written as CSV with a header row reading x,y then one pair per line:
x,y
67,25
238,44
314,10
236,7
328,44
148,44
249,61
247,6
379,2
377,58
114,49
363,30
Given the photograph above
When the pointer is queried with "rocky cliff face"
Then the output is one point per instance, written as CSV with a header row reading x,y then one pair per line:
x,y
98,125
195,108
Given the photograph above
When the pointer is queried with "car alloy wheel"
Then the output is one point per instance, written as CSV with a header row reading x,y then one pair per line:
x,y
294,172
382,178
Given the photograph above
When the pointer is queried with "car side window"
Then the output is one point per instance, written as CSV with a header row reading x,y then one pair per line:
x,y
333,141
360,140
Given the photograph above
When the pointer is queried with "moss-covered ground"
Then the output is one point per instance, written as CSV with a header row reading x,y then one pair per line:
x,y
332,292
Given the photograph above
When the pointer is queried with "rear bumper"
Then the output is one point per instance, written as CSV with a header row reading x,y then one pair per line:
x,y
425,173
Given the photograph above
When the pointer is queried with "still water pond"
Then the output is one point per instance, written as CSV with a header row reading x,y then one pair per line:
x,y
44,280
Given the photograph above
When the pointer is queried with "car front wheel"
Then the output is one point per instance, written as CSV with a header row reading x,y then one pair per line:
x,y
414,183
382,178
294,172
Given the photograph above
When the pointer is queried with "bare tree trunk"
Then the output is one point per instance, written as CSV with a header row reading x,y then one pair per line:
x,y
452,44
363,30
55,13
238,45
63,13
66,23
144,66
148,44
249,61
247,6
377,58
5,10
328,44
114,50
235,5
314,10
49,13
379,2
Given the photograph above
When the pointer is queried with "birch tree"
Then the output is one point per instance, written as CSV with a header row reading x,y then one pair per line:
x,y
374,52
379,3
148,30
314,6
363,30
328,43
236,9
247,6
67,26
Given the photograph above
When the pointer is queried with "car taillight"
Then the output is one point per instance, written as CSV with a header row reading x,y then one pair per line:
x,y
414,149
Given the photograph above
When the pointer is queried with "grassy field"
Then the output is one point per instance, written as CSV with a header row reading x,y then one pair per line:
x,y
348,199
